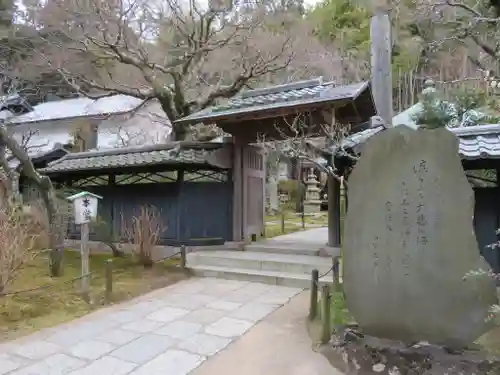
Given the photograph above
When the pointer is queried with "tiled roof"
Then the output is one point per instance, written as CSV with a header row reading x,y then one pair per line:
x,y
475,142
38,156
128,157
78,107
479,142
289,95
275,95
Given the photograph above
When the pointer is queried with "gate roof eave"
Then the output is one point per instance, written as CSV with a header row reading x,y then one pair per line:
x,y
175,155
352,104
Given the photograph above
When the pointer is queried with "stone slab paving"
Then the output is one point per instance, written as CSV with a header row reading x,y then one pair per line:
x,y
169,331
314,235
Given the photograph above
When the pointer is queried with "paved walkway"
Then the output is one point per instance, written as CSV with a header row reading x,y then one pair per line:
x,y
317,236
170,331
278,345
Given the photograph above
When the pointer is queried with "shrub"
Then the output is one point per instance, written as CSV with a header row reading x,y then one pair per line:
x,y
19,232
105,234
494,314
143,231
294,190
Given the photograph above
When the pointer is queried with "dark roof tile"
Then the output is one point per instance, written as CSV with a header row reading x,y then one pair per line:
x,y
475,142
128,157
293,94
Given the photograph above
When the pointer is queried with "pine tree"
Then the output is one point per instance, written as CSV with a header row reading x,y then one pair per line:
x,y
470,107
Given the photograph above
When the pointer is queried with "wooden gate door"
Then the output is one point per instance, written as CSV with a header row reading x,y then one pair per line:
x,y
486,224
253,191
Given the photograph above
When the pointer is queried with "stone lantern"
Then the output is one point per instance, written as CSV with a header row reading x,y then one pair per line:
x,y
312,202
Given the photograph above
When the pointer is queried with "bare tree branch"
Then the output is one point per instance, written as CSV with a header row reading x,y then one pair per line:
x,y
186,57
470,26
301,144
44,186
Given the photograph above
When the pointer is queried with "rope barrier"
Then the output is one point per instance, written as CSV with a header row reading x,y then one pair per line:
x,y
327,272
42,287
91,275
168,257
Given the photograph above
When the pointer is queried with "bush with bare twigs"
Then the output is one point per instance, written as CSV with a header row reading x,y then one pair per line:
x,y
143,231
19,234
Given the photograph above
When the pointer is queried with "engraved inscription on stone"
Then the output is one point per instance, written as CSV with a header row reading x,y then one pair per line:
x,y
409,242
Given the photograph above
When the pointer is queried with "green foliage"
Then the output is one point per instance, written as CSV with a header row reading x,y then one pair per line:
x,y
58,300
293,189
339,313
470,107
435,112
347,23
342,21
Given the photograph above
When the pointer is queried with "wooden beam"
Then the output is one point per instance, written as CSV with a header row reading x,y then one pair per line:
x,y
274,128
481,164
237,174
333,212
381,46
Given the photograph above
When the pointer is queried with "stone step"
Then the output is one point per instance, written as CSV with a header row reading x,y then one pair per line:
x,y
278,262
281,247
295,280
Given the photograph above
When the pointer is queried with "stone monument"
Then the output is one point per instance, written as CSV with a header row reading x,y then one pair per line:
x,y
312,201
409,242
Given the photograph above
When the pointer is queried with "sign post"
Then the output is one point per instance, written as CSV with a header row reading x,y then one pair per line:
x,y
85,210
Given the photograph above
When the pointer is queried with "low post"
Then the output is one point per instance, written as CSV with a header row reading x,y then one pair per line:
x,y
325,314
109,280
85,262
85,211
313,308
303,217
282,221
183,256
336,273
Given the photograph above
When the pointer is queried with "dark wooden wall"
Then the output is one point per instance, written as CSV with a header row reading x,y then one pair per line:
x,y
486,222
194,213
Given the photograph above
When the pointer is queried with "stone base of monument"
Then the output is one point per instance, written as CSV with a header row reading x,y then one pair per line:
x,y
357,354
329,251
312,206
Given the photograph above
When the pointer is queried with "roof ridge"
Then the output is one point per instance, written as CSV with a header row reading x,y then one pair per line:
x,y
169,146
122,150
476,130
280,88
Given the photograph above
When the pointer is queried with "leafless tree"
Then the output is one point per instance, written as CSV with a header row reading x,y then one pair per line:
x,y
144,232
8,161
474,27
17,148
133,136
18,239
299,142
179,53
47,193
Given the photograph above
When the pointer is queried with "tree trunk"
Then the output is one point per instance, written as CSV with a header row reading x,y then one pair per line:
x,y
179,132
117,253
55,239
44,186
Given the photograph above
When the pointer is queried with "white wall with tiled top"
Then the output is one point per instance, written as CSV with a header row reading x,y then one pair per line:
x,y
147,125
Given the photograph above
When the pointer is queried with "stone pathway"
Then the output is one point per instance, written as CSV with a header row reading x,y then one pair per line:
x,y
308,225
169,331
288,348
317,236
